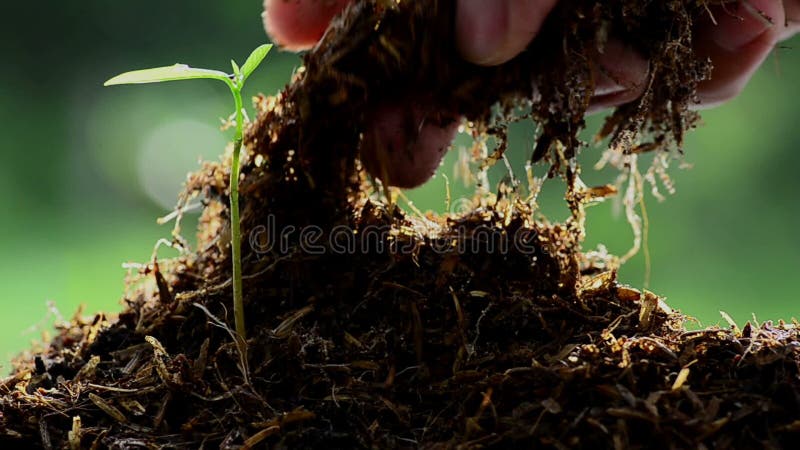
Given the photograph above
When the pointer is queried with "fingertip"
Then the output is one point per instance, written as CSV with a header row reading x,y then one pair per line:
x,y
736,25
480,30
298,24
620,74
792,25
737,38
492,32
404,146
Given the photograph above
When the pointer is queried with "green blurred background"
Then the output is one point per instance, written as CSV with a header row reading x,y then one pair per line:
x,y
86,170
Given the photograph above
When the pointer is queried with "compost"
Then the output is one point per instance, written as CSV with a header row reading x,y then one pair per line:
x,y
369,327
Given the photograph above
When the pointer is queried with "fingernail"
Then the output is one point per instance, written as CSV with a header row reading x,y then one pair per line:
x,y
481,28
741,23
606,82
619,68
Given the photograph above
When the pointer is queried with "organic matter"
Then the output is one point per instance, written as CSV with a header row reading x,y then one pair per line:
x,y
370,328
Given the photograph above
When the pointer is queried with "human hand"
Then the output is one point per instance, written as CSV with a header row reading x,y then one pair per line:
x,y
402,144
737,37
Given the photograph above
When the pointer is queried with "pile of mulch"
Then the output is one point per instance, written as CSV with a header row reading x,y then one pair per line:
x,y
379,329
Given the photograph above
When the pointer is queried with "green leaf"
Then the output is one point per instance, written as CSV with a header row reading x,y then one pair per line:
x,y
167,73
236,70
254,60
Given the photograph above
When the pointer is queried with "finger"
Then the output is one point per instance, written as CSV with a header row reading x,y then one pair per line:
x,y
620,75
792,8
744,34
404,145
492,32
298,24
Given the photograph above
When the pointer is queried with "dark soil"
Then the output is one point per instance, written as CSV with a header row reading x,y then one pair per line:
x,y
433,332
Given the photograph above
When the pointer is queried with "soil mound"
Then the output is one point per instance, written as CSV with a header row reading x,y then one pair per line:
x,y
370,328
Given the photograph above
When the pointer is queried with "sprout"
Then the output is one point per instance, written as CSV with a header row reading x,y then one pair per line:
x,y
235,82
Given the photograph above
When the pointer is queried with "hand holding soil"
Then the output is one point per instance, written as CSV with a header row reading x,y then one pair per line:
x,y
405,143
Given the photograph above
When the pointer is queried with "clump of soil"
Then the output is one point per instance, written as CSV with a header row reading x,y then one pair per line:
x,y
378,329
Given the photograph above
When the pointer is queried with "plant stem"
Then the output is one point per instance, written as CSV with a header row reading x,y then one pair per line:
x,y
236,232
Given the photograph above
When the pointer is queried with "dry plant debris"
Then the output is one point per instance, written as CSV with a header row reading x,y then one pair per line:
x,y
424,334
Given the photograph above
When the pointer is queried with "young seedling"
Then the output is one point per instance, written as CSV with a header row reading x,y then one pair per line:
x,y
235,82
